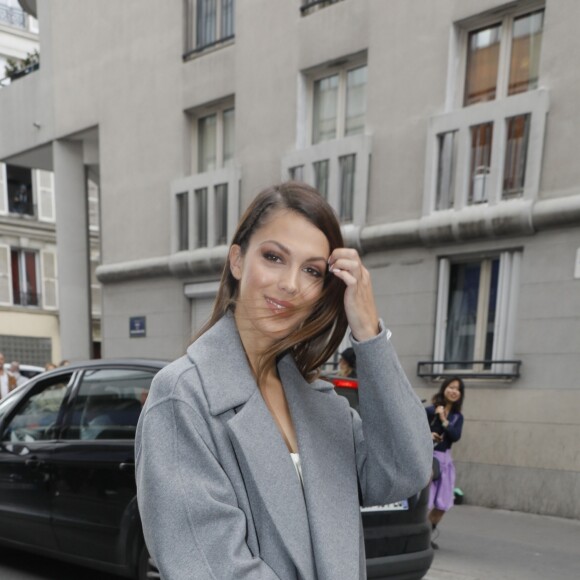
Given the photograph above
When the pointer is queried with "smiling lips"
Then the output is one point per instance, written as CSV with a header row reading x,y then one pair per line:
x,y
280,307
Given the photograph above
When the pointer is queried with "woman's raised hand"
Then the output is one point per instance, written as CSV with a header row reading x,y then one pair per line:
x,y
359,300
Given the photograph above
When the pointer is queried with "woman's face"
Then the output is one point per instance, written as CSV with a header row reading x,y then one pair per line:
x,y
282,269
452,393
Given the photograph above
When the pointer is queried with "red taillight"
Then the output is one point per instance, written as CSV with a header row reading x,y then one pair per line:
x,y
345,383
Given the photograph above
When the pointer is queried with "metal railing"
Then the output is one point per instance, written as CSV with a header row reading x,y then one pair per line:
x,y
19,73
470,369
30,298
310,5
12,16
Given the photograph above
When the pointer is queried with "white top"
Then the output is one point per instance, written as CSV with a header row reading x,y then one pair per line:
x,y
296,460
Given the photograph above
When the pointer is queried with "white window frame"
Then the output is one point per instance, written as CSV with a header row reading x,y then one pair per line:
x,y
192,9
3,190
459,49
22,268
505,315
43,192
49,253
217,109
188,185
333,150
305,115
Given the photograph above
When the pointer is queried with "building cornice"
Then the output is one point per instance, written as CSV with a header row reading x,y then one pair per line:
x,y
481,222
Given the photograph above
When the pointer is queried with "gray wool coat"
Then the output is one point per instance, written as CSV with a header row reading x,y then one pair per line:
x,y
218,493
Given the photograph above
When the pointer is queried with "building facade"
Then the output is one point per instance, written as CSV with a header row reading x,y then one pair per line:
x,y
442,134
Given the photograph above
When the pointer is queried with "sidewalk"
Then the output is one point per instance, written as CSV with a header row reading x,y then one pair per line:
x,y
484,544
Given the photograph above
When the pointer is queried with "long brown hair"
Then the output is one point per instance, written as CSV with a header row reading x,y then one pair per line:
x,y
321,333
439,397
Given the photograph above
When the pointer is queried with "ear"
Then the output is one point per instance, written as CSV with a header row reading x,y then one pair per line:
x,y
236,261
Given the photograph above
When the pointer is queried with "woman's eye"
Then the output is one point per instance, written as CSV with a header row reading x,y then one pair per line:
x,y
271,257
313,272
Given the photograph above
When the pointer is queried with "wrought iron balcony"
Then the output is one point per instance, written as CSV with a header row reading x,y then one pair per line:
x,y
505,370
12,16
30,298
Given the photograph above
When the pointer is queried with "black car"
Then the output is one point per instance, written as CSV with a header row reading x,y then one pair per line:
x,y
67,475
67,472
397,536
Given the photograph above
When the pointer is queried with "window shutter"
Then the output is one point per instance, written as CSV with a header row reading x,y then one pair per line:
x,y
5,276
3,190
45,195
49,280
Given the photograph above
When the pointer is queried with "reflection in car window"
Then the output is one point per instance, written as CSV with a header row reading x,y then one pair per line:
x,y
108,404
36,417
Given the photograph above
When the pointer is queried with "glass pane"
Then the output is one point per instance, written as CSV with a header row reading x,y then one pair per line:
x,y
15,265
205,22
481,141
30,282
446,170
518,133
183,221
321,177
525,57
229,136
201,216
462,314
35,419
325,109
489,334
227,17
356,83
206,144
482,65
19,189
109,403
347,165
221,213
296,173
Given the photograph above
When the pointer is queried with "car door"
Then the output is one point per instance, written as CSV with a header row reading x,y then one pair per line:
x,y
95,508
27,440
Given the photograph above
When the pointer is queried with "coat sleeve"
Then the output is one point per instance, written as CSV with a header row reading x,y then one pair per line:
x,y
455,426
192,524
394,450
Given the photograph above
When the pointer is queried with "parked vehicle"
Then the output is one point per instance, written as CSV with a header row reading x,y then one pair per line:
x,y
67,475
397,536
27,371
67,472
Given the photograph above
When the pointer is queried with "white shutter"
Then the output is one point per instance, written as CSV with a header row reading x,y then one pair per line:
x,y
44,182
3,190
5,276
49,280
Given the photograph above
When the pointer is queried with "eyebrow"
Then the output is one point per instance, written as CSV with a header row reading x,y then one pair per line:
x,y
287,251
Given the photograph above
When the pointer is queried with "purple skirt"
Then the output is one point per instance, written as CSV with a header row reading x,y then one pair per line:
x,y
441,491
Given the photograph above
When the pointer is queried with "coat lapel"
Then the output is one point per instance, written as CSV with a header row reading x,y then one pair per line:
x,y
326,445
269,475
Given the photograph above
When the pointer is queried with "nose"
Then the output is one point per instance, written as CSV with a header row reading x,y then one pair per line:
x,y
289,281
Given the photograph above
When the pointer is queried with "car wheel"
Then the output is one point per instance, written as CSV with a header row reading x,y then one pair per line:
x,y
146,569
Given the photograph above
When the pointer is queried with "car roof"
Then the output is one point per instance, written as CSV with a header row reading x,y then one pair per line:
x,y
110,362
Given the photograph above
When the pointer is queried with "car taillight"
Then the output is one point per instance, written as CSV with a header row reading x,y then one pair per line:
x,y
345,383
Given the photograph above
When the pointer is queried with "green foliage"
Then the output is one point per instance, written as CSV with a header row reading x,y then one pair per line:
x,y
16,67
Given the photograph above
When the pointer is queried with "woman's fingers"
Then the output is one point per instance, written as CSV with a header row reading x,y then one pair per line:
x,y
359,301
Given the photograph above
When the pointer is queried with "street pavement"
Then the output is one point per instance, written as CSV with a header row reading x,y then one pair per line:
x,y
483,544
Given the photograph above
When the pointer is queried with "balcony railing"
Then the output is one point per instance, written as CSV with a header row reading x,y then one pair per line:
x,y
470,369
30,298
12,16
309,6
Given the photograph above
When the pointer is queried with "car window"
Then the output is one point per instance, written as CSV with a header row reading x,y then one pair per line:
x,y
108,404
36,416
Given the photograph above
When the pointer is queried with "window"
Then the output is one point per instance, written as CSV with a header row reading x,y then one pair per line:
x,y
25,288
206,203
493,72
476,311
488,146
19,187
210,22
35,418
332,149
339,104
108,404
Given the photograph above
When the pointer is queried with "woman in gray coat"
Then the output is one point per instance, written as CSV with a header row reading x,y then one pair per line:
x,y
248,467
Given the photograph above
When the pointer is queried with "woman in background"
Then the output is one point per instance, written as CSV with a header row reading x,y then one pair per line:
x,y
446,422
